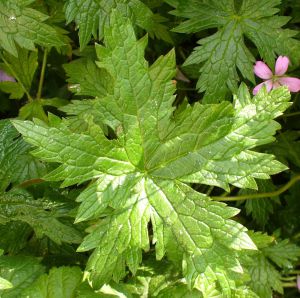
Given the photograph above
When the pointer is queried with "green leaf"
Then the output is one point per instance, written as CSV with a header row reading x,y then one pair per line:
x,y
26,27
21,272
16,165
152,278
13,88
33,109
286,147
261,239
221,55
91,16
283,253
22,67
86,78
261,209
39,214
142,173
59,283
180,291
14,236
264,277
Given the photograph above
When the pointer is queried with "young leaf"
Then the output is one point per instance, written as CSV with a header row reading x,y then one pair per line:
x,y
92,15
59,283
220,55
142,174
25,26
86,78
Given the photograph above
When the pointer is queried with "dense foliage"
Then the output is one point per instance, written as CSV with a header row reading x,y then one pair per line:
x,y
136,163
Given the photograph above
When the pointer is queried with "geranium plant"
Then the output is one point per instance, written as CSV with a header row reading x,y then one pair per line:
x,y
135,166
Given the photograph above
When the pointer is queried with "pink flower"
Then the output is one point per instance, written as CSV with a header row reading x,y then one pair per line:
x,y
5,77
272,81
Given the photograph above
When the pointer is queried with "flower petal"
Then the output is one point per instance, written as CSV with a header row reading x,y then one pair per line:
x,y
268,84
5,77
281,66
262,70
292,83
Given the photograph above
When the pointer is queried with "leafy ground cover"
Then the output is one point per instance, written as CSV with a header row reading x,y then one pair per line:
x,y
149,148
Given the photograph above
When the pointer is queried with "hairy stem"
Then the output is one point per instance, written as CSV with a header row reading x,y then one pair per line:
x,y
42,77
290,114
260,195
289,285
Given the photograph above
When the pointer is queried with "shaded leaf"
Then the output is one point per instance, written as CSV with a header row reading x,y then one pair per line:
x,y
39,214
16,165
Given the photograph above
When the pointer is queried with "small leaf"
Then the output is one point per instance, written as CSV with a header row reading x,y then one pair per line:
x,y
33,109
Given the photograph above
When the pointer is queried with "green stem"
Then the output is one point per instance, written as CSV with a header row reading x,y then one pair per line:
x,y
288,278
296,236
209,190
290,114
42,77
16,77
260,195
289,285
294,272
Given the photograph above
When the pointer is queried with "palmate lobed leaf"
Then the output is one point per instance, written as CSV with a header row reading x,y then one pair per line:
x,y
142,175
221,55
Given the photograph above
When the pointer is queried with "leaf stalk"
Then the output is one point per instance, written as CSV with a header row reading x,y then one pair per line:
x,y
259,195
42,77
